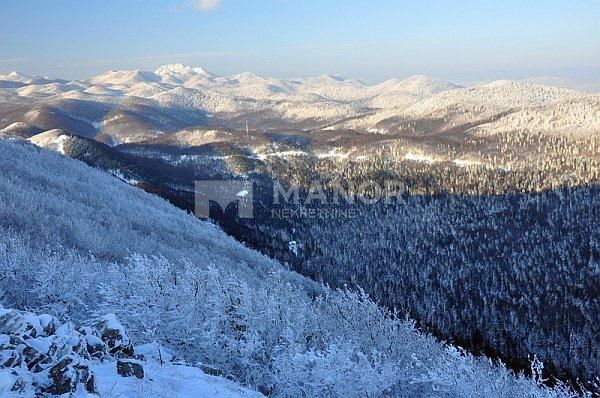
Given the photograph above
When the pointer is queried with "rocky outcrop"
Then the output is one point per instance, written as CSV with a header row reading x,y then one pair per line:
x,y
129,368
40,356
67,374
115,337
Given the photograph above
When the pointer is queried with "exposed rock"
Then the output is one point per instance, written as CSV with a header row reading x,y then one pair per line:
x,y
35,358
114,335
10,359
40,357
95,347
67,374
130,368
24,324
211,370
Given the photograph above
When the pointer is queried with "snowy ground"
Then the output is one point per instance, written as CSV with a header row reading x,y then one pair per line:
x,y
166,381
160,381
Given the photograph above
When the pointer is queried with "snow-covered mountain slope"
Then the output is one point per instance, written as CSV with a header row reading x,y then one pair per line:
x,y
47,90
496,96
124,78
184,238
51,139
20,129
400,93
15,76
193,137
75,242
180,74
461,109
575,117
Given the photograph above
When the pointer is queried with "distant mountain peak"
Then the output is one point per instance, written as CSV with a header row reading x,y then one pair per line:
x,y
173,68
125,77
336,77
179,69
246,75
416,85
426,80
526,86
17,76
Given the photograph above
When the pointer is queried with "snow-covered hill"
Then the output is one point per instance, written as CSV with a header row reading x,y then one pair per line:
x,y
124,78
75,243
493,97
51,139
577,116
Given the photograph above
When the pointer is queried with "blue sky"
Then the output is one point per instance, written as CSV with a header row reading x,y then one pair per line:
x,y
375,40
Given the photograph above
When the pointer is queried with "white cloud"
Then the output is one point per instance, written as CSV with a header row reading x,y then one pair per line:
x,y
207,5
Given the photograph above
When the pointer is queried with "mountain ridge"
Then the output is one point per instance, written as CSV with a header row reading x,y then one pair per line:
x,y
176,96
